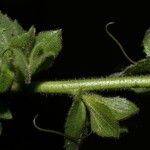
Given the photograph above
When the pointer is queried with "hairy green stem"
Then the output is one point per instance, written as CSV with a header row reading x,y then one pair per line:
x,y
73,86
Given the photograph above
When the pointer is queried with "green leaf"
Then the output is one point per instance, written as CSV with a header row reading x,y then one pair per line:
x,y
142,67
8,29
21,64
146,43
47,46
103,122
121,108
6,58
21,46
141,90
6,78
74,124
23,52
5,113
24,42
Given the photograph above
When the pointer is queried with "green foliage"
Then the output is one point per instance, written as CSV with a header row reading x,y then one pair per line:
x,y
146,43
139,68
21,65
47,47
24,52
6,78
24,42
5,113
8,30
141,90
103,123
106,112
121,108
142,66
75,124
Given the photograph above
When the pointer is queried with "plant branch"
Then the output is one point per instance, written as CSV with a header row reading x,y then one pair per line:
x,y
73,86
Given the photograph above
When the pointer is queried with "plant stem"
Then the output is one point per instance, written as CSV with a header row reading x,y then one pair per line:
x,y
72,86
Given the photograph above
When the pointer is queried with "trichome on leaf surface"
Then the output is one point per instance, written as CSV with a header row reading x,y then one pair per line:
x,y
25,53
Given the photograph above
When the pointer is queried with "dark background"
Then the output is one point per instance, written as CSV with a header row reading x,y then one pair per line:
x,y
87,52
